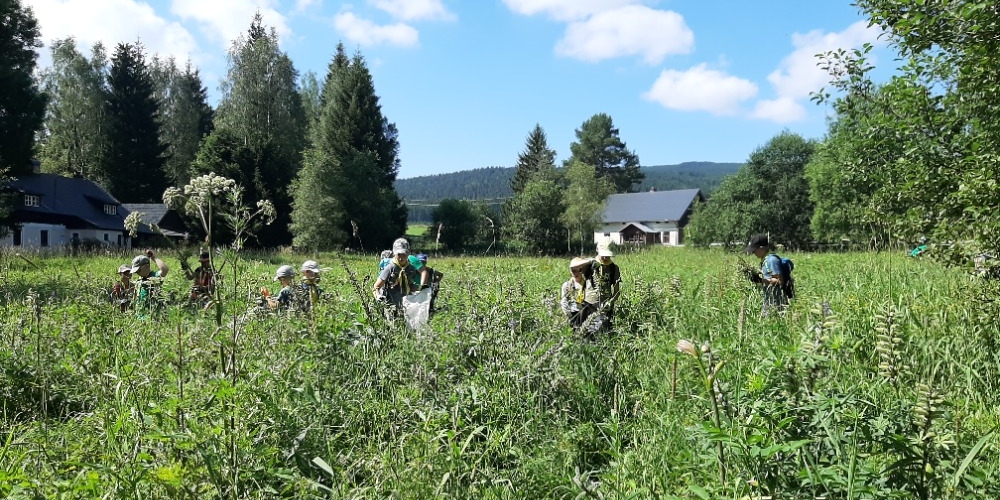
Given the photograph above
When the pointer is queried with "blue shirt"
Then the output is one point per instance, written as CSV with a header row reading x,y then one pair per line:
x,y
770,267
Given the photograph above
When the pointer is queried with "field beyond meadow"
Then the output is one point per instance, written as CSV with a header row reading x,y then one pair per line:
x,y
880,382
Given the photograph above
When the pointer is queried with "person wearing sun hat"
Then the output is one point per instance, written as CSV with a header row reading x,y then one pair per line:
x,y
609,278
397,278
310,283
580,295
123,289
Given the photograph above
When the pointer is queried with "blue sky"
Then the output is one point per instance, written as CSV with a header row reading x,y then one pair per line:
x,y
465,81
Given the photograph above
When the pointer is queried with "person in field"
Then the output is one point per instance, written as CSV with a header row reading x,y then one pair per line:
x,y
287,295
310,284
202,278
770,278
397,278
433,279
386,258
609,279
148,289
123,290
580,294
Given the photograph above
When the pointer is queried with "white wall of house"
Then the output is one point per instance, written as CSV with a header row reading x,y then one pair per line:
x,y
669,233
58,236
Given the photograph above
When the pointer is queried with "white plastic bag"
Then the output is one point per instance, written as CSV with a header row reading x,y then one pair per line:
x,y
416,308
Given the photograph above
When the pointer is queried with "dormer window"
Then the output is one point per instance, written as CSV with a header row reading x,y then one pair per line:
x,y
111,209
32,200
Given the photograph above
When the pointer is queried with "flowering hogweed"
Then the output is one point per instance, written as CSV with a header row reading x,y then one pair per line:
x,y
132,222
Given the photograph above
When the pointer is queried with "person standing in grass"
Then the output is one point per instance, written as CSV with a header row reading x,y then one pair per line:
x,y
609,279
398,276
123,289
580,294
310,284
771,278
148,289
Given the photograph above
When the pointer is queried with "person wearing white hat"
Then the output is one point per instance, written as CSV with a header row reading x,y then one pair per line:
x,y
310,282
286,295
609,280
123,289
580,295
397,278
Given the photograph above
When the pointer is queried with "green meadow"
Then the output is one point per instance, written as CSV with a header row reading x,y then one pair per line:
x,y
880,381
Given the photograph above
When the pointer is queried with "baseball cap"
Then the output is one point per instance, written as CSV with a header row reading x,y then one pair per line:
x,y
422,257
284,272
579,261
604,250
124,268
757,241
400,246
139,261
310,265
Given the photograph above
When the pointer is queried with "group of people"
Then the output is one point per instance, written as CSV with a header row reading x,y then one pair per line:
x,y
589,296
402,274
140,294
302,296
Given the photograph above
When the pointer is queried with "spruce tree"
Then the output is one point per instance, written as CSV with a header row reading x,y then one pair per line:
x,y
186,116
598,145
535,157
132,169
22,105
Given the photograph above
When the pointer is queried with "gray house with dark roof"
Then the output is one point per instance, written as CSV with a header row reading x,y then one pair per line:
x,y
647,218
53,211
171,224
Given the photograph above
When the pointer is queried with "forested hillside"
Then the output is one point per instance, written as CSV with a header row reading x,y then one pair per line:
x,y
492,184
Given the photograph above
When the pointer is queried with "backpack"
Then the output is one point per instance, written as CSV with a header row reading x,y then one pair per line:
x,y
785,267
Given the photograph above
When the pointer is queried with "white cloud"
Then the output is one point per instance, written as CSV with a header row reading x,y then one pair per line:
x,y
626,31
780,110
226,20
415,10
566,10
365,32
112,22
701,89
799,72
304,5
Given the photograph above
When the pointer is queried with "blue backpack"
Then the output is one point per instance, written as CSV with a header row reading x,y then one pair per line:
x,y
785,267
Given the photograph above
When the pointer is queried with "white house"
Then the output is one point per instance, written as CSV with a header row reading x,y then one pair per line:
x,y
649,217
52,210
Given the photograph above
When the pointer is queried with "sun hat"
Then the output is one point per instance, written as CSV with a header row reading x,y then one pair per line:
x,y
139,261
604,250
579,261
284,272
310,265
400,246
422,257
124,268
757,241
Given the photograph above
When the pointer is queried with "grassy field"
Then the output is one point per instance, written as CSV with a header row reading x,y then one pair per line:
x,y
880,382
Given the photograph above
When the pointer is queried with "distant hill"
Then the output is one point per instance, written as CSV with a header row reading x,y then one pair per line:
x,y
492,184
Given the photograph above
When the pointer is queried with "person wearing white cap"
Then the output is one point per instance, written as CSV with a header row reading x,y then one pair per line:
x,y
310,282
609,280
123,290
580,295
397,278
286,295
147,289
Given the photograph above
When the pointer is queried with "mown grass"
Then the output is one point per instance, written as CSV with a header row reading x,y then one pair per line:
x,y
498,398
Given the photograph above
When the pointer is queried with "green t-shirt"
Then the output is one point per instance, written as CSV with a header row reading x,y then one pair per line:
x,y
144,300
419,266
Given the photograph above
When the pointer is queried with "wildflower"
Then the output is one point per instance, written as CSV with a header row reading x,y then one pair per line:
x,y
687,347
132,222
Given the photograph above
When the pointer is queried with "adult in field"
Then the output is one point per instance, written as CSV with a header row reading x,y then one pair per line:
x,y
580,294
609,280
433,279
148,290
397,278
770,277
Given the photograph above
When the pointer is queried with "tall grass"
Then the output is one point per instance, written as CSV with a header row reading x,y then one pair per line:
x,y
499,398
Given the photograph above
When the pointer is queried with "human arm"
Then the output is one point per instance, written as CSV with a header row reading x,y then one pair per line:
x,y
424,277
771,270
162,266
567,301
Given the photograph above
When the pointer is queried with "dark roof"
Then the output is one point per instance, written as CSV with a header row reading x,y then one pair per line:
x,y
73,201
156,213
650,206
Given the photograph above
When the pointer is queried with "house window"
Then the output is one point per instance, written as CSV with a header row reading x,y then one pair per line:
x,y
44,236
111,210
17,237
31,200
105,236
119,240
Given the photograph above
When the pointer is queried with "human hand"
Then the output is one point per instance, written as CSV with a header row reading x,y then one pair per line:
x,y
149,253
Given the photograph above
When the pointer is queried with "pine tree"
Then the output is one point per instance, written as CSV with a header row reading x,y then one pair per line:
x,y
22,105
73,139
599,146
261,106
186,116
536,156
132,169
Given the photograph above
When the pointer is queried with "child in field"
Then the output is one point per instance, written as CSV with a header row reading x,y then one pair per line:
x,y
123,289
203,278
286,296
580,295
397,278
310,284
147,296
386,259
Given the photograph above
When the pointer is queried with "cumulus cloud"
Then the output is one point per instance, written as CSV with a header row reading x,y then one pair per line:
x,y
627,31
304,5
566,10
701,89
226,20
415,10
780,110
368,33
112,22
799,74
